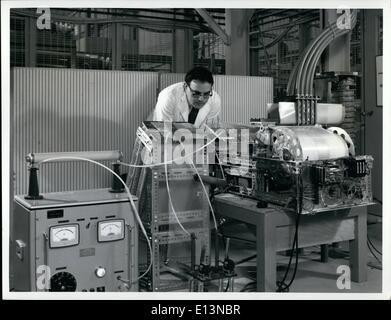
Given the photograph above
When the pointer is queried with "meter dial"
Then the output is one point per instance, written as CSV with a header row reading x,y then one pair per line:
x,y
111,230
63,281
64,235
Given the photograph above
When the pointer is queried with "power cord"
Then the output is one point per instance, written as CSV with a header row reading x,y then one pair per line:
x,y
373,246
370,249
281,285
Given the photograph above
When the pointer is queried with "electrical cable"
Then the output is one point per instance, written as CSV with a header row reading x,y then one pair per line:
x,y
315,58
226,288
169,193
325,39
240,239
300,83
333,33
314,62
269,67
129,20
205,191
369,247
221,167
250,285
281,286
132,204
303,59
285,287
314,49
292,79
373,246
246,259
300,79
285,31
218,159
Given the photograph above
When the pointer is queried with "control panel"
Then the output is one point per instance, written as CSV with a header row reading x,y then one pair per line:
x,y
74,241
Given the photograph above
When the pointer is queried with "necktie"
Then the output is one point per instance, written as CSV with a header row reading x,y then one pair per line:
x,y
193,115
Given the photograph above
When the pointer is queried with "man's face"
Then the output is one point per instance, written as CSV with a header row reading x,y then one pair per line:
x,y
198,93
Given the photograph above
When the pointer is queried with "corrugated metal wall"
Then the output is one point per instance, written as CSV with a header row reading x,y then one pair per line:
x,y
242,97
58,110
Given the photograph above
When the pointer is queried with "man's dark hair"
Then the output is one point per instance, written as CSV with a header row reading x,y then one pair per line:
x,y
199,73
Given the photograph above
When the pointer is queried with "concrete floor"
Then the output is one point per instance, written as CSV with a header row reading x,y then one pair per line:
x,y
312,275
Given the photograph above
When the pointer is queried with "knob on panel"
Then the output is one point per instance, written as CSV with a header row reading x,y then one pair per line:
x,y
100,272
63,281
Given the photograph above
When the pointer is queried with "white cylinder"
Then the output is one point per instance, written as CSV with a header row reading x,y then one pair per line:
x,y
326,113
330,113
110,155
308,143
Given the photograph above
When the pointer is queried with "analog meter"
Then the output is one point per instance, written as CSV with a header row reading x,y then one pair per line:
x,y
111,230
64,236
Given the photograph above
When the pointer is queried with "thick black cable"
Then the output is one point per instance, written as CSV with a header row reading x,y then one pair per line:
x,y
369,247
226,288
281,286
373,246
249,285
245,259
284,32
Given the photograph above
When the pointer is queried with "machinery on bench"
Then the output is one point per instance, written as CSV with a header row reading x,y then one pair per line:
x,y
300,160
301,163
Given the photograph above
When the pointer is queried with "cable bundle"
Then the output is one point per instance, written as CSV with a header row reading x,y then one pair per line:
x,y
302,77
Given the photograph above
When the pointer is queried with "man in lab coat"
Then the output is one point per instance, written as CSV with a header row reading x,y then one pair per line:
x,y
193,101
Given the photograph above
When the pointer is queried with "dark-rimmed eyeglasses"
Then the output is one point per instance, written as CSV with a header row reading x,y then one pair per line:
x,y
197,94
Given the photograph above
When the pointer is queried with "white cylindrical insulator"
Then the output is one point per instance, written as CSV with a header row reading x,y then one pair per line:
x,y
110,155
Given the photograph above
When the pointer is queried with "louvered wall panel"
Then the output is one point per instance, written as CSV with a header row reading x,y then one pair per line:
x,y
166,79
57,110
242,97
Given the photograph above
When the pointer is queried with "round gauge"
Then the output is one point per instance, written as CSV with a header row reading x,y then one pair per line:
x,y
63,281
111,230
64,235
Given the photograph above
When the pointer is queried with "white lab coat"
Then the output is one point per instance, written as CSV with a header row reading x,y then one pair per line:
x,y
172,106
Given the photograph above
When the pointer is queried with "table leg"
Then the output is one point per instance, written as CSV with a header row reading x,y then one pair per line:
x,y
358,247
266,253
